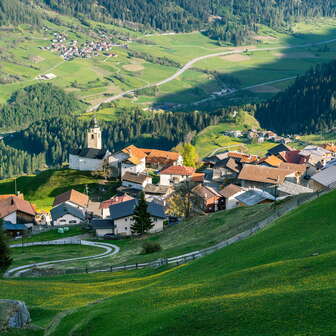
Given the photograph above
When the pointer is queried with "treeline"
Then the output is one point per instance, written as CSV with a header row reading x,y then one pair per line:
x,y
15,162
51,141
231,21
36,102
308,106
14,12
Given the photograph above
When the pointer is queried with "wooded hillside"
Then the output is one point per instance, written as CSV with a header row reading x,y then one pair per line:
x,y
308,106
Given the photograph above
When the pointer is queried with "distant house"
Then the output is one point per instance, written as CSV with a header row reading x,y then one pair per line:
x,y
323,180
211,200
293,156
229,194
265,178
318,158
135,180
270,161
159,159
121,219
105,205
74,198
253,197
175,174
135,162
67,214
18,215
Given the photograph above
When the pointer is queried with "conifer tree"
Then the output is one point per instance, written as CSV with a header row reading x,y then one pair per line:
x,y
142,218
5,259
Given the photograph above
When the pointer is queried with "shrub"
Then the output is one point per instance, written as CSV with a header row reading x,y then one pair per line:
x,y
150,247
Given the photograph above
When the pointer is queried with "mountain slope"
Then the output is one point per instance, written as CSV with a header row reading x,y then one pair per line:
x,y
308,106
279,282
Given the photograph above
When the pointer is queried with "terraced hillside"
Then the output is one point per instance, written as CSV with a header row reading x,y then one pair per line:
x,y
279,282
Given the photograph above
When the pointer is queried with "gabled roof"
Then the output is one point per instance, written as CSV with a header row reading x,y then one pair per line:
x,y
264,174
326,177
157,153
13,203
230,190
72,196
134,151
126,209
244,158
271,160
205,192
66,209
115,200
294,157
134,160
254,196
198,177
178,170
102,224
230,163
330,147
297,168
279,148
293,189
156,189
134,177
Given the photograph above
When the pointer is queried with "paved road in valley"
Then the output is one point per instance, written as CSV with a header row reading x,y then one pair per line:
x,y
188,65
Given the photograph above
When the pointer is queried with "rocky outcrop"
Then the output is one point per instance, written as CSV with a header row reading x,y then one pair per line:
x,y
13,314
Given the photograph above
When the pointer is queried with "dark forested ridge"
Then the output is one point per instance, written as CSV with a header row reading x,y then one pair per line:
x,y
308,106
227,20
36,102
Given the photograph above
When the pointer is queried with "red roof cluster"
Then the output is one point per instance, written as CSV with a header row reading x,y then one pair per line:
x,y
13,203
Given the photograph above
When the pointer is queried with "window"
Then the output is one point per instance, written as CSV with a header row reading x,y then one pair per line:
x,y
92,136
62,220
126,228
126,219
72,222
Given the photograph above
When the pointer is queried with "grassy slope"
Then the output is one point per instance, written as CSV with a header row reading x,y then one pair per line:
x,y
41,189
36,254
187,236
267,285
212,138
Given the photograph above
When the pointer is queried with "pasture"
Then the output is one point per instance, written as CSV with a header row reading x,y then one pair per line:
x,y
96,79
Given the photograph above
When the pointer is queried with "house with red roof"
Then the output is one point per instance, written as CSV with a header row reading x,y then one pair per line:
x,y
17,214
175,174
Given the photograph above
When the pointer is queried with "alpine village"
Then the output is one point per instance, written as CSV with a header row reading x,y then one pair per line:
x,y
167,168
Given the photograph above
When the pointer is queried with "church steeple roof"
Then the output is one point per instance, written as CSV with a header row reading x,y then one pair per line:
x,y
94,123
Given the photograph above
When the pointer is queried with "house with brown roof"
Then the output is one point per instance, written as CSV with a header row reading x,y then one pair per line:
x,y
175,174
18,215
270,161
211,199
159,159
265,178
227,168
136,181
229,194
74,198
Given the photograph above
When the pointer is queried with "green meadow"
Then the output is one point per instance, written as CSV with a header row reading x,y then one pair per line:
x,y
42,189
281,281
96,79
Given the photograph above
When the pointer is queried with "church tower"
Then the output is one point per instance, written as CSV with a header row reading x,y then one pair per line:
x,y
94,139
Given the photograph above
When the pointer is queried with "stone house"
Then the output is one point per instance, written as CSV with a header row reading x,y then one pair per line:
x,y
136,181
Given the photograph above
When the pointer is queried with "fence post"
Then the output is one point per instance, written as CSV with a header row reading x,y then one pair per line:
x,y
111,269
86,269
136,266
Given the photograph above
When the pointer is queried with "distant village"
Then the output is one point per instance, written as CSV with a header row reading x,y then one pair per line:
x,y
71,49
224,181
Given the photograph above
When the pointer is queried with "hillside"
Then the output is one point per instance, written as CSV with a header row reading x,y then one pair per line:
x,y
41,189
223,20
307,106
279,282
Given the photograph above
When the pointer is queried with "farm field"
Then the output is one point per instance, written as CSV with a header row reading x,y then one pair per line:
x,y
240,284
41,189
99,78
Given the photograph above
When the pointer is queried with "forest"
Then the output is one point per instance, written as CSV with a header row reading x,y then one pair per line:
x,y
230,21
36,102
308,106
